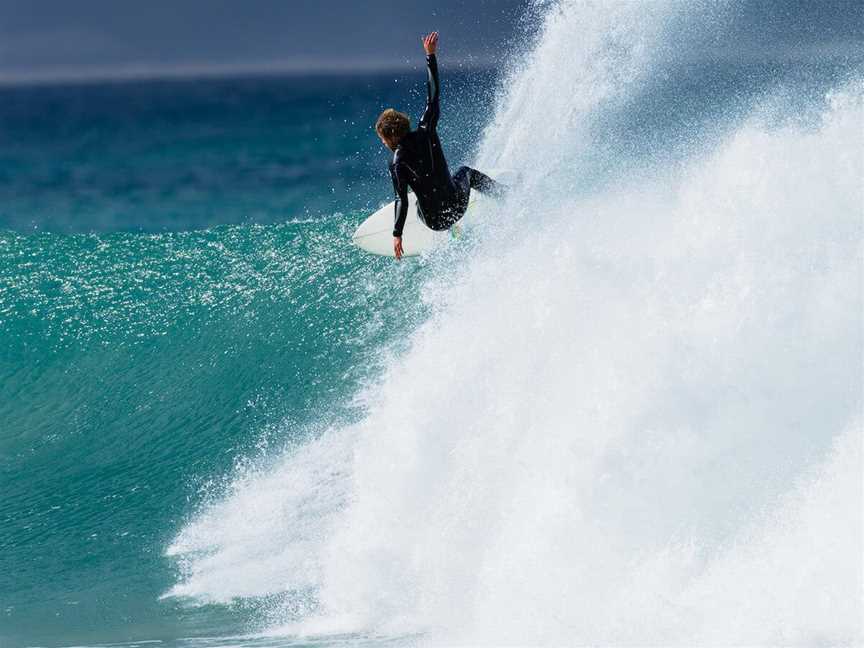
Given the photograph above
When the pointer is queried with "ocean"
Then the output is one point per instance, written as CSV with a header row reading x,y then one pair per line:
x,y
624,409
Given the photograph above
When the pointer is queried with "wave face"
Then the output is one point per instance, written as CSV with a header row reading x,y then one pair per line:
x,y
178,293
634,414
138,368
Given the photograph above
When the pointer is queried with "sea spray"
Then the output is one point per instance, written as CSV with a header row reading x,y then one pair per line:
x,y
561,455
633,417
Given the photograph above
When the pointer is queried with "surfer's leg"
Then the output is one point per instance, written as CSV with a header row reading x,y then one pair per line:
x,y
462,181
467,178
482,182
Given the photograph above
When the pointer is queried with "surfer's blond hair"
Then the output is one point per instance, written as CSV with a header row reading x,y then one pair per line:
x,y
393,125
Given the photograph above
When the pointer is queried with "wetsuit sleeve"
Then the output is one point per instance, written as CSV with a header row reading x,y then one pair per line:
x,y
429,120
400,187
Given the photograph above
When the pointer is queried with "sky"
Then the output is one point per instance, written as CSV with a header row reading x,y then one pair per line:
x,y
62,39
74,38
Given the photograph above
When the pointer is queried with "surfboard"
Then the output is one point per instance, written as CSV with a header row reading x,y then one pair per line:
x,y
375,234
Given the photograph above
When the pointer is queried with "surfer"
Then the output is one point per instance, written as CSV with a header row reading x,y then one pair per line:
x,y
418,162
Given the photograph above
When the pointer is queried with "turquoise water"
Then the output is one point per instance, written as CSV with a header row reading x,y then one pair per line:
x,y
143,364
616,409
149,344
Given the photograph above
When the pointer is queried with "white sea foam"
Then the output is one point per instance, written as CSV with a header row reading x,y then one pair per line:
x,y
635,417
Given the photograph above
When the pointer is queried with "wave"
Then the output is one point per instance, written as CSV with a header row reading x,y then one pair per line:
x,y
632,415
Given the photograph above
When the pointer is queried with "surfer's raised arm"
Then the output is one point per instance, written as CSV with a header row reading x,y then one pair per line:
x,y
429,120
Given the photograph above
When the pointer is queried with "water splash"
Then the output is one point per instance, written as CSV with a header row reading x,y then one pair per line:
x,y
632,418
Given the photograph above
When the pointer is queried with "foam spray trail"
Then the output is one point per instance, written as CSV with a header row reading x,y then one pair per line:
x,y
262,537
588,58
651,416
583,459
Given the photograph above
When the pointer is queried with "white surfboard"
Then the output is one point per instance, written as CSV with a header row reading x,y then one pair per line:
x,y
375,234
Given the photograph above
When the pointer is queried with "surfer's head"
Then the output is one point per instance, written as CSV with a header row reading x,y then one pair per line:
x,y
392,126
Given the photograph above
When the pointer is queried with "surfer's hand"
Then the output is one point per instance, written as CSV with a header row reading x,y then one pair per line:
x,y
430,43
397,247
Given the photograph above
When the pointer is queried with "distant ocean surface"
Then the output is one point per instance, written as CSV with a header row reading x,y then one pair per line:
x,y
625,409
188,154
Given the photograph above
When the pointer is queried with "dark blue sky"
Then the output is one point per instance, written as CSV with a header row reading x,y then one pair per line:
x,y
75,38
58,37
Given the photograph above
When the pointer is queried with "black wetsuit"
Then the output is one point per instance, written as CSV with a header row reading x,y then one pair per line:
x,y
419,163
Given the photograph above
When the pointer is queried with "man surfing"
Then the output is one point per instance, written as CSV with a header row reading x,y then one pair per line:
x,y
418,162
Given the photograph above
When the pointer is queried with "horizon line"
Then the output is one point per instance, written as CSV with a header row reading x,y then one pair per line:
x,y
84,74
